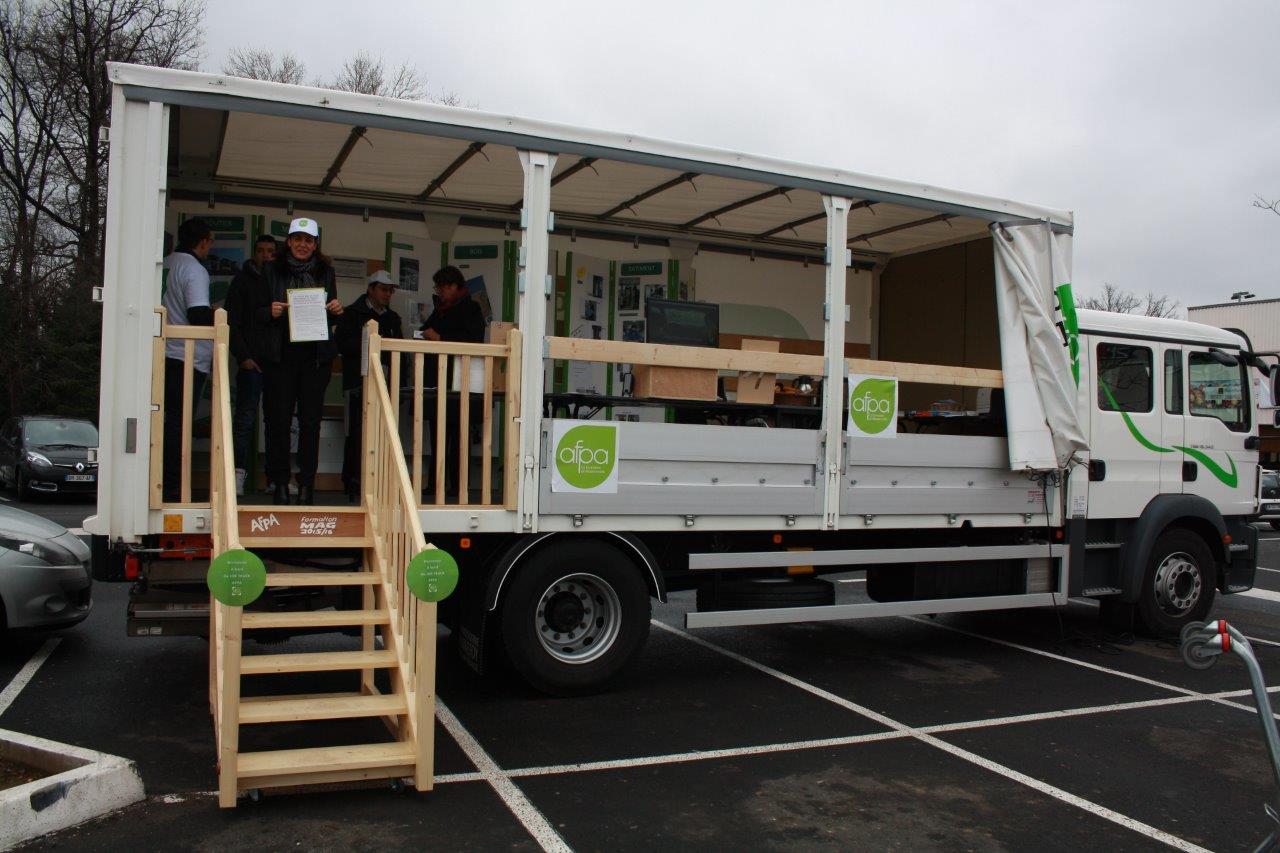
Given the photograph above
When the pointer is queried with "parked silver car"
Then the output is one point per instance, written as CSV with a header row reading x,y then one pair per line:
x,y
44,573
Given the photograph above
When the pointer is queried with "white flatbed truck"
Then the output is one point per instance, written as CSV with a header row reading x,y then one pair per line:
x,y
1095,455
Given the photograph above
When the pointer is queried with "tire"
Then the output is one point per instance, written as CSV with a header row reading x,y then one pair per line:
x,y
25,492
760,593
1179,583
596,598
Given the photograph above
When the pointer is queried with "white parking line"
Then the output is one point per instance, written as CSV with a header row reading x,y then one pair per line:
x,y
526,812
1075,662
1265,569
851,580
963,754
1264,594
28,671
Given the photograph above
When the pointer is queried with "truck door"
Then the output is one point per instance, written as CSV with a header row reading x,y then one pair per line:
x,y
1173,419
1126,429
1218,422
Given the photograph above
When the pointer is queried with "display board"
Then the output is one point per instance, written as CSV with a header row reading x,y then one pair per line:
x,y
638,281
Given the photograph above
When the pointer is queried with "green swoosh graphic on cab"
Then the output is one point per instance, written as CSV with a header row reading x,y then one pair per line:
x,y
1230,480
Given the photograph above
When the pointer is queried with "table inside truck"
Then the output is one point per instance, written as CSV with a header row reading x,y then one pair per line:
x,y
584,406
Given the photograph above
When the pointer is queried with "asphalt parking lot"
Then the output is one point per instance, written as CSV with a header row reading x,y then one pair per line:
x,y
1014,730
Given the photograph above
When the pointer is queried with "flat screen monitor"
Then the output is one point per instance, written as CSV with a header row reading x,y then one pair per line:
x,y
693,324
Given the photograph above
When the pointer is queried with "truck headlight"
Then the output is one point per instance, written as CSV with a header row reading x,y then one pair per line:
x,y
38,459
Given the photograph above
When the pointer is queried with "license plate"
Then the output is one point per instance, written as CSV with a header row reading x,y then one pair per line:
x,y
81,478
1271,507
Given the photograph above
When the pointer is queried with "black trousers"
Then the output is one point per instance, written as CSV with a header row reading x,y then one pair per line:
x,y
172,465
297,380
351,455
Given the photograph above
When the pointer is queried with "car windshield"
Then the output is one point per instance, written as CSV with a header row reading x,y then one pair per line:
x,y
1270,479
54,433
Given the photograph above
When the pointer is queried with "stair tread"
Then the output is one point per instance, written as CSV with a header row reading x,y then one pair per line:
x,y
314,618
318,759
261,542
275,709
321,578
316,661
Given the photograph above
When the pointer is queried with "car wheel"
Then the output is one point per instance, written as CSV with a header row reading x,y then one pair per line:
x,y
1179,584
574,616
25,492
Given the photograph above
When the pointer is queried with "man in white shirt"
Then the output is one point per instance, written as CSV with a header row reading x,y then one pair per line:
x,y
186,299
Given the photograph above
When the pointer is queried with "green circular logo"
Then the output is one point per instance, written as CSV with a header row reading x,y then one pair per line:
x,y
236,577
432,575
585,455
871,405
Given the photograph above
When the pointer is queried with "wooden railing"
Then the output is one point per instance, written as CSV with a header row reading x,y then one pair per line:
x,y
618,352
224,620
390,500
452,395
189,335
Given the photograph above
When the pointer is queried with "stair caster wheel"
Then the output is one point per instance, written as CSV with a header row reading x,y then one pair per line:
x,y
253,795
398,786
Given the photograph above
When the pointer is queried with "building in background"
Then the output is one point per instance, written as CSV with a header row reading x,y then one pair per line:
x,y
1259,320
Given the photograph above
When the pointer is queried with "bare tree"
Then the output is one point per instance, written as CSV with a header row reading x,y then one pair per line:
x,y
259,64
1273,206
55,102
367,74
1122,301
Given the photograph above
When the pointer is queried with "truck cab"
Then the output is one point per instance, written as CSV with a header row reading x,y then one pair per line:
x,y
1172,469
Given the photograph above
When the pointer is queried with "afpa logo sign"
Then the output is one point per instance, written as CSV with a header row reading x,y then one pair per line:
x,y
586,457
873,405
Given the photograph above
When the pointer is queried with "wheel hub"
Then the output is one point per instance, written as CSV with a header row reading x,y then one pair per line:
x,y
1178,584
578,618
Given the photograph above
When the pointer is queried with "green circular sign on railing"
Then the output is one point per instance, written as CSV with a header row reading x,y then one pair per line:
x,y
432,575
236,577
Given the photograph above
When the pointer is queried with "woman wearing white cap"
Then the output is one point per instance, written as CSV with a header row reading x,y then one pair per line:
x,y
297,373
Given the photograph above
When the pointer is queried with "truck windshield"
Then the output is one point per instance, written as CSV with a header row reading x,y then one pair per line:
x,y
67,433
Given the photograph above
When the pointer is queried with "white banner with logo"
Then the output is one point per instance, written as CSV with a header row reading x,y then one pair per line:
x,y
584,457
873,406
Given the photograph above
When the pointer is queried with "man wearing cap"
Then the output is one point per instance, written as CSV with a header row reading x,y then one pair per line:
x,y
374,305
296,372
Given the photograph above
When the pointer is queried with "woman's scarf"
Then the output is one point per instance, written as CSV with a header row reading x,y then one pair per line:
x,y
303,273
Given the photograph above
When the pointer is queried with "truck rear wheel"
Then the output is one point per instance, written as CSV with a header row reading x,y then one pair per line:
x,y
574,616
1179,584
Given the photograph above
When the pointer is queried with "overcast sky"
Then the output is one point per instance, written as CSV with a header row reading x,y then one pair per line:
x,y
1157,123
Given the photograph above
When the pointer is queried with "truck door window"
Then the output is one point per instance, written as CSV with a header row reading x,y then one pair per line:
x,y
1124,378
1173,382
1217,391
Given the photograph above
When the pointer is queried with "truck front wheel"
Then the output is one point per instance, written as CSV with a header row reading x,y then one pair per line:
x,y
1179,584
574,616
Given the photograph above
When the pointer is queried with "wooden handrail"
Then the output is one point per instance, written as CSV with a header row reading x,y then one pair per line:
x,y
392,509
621,352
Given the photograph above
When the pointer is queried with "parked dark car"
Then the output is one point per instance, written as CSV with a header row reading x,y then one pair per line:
x,y
41,454
1269,510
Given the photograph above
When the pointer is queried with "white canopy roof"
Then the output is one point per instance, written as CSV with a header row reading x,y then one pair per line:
x,y
254,138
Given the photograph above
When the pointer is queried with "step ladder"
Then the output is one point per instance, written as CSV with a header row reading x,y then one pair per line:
x,y
396,630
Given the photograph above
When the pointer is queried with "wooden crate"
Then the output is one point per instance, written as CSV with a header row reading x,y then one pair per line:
x,y
674,383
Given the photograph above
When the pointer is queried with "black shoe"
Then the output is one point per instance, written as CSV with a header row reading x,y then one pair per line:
x,y
306,495
280,495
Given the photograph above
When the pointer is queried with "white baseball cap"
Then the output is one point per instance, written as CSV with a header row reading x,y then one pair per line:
x,y
381,277
304,226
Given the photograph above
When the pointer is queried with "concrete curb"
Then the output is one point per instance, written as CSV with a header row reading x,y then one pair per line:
x,y
85,785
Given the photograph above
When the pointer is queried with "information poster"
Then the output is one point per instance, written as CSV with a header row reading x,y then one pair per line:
x,y
638,282
227,254
873,406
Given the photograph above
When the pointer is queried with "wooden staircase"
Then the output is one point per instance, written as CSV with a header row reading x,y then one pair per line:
x,y
397,631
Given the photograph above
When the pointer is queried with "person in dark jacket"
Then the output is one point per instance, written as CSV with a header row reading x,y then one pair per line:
x,y
374,305
296,374
248,292
460,319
